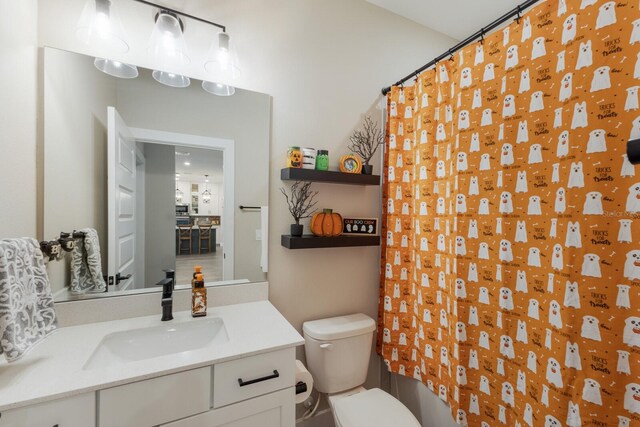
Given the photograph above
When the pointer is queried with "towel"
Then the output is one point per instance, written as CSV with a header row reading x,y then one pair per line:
x,y
264,237
27,315
86,264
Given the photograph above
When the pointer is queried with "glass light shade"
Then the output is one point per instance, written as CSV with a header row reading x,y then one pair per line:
x,y
167,46
171,79
179,195
100,27
206,196
222,61
116,68
218,88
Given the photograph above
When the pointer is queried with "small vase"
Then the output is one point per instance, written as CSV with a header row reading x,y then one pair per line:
x,y
367,169
296,230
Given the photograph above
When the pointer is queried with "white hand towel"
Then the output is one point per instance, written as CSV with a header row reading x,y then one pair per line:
x,y
27,314
264,238
86,264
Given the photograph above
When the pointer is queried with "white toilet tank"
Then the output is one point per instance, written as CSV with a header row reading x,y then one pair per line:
x,y
338,351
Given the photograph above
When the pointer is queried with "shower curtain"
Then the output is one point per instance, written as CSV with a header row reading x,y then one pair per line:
x,y
510,270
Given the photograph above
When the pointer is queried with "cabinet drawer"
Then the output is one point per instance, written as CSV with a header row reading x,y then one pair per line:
x,y
77,411
257,375
272,410
156,401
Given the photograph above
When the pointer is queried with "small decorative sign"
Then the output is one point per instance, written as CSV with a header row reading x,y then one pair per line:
x,y
360,226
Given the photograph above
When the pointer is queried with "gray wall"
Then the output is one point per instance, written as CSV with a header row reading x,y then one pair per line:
x,y
75,150
160,212
21,166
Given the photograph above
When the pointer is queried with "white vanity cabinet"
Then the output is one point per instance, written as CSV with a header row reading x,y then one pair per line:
x,y
76,411
251,391
156,401
272,410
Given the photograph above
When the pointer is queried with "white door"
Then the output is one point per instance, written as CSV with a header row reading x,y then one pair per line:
x,y
121,172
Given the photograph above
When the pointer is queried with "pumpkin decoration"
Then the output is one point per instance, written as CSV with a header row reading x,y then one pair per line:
x,y
326,223
350,164
294,157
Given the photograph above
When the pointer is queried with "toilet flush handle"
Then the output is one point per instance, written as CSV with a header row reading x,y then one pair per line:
x,y
326,346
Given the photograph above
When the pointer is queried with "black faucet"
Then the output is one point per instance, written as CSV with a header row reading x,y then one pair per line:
x,y
167,294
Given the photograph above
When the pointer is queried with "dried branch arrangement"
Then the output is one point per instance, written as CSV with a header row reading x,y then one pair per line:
x,y
301,201
365,142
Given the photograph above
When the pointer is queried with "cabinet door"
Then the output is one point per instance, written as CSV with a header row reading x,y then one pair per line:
x,y
156,401
271,410
77,411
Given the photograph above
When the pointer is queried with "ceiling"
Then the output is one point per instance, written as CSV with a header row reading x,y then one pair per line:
x,y
455,18
202,162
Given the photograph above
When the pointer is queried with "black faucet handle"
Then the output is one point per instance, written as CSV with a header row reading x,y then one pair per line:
x,y
169,273
167,287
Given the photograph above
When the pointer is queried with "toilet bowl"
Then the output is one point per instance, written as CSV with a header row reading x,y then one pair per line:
x,y
338,351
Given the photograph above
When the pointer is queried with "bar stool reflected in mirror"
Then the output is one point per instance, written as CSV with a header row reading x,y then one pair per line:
x,y
205,237
184,235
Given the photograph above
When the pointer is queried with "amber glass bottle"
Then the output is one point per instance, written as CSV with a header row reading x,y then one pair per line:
x,y
199,297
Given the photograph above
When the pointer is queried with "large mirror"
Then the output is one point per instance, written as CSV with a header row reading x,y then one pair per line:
x,y
151,178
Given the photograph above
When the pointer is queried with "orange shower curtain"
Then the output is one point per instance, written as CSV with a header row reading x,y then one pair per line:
x,y
510,274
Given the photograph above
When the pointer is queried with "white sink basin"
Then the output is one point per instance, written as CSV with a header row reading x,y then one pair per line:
x,y
146,343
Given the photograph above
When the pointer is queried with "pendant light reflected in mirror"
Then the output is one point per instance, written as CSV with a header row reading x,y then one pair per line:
x,y
171,79
100,26
116,68
206,194
168,49
218,88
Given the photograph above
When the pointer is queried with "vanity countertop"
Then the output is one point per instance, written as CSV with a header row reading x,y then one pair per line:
x,y
54,368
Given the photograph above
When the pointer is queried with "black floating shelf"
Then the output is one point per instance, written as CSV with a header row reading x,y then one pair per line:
x,y
309,241
299,174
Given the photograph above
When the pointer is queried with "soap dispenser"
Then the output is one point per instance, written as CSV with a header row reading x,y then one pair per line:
x,y
199,297
197,270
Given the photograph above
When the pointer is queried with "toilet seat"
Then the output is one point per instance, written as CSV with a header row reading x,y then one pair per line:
x,y
372,408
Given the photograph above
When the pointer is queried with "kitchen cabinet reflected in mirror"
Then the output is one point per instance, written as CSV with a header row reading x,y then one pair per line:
x,y
158,172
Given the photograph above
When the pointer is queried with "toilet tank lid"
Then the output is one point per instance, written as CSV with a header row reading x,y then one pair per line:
x,y
339,327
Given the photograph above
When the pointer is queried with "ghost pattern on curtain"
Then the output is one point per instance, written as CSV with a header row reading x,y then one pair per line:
x,y
510,273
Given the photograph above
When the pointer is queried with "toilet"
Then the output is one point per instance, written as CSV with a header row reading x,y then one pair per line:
x,y
338,351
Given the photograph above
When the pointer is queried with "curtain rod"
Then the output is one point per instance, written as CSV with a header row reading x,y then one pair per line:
x,y
177,12
479,34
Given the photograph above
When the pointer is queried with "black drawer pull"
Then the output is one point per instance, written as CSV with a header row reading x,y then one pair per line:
x,y
258,380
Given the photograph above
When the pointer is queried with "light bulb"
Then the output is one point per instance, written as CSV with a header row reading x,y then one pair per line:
x,y
116,68
100,27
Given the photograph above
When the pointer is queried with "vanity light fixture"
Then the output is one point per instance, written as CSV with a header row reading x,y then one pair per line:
x,y
100,26
218,88
168,49
116,68
206,194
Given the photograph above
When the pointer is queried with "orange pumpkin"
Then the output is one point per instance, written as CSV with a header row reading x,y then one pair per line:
x,y
326,223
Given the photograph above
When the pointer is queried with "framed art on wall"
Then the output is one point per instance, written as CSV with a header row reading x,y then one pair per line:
x,y
360,226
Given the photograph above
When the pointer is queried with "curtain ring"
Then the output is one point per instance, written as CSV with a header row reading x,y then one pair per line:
x,y
519,9
482,36
450,54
